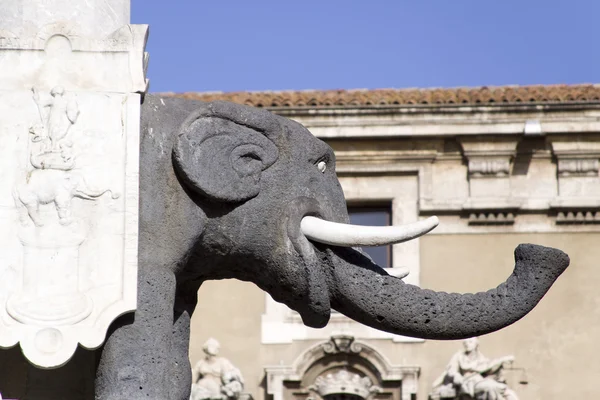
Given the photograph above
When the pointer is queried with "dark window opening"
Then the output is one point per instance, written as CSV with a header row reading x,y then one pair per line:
x,y
374,216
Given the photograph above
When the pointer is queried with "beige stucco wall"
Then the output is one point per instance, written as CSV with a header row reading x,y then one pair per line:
x,y
556,342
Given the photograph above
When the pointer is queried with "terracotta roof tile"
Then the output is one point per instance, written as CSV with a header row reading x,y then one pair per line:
x,y
485,95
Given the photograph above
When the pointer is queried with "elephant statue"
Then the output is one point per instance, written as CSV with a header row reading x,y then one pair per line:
x,y
46,186
230,191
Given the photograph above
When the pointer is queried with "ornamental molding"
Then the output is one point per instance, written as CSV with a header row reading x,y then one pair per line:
x,y
578,167
489,167
491,218
318,370
344,382
576,156
341,344
489,157
578,217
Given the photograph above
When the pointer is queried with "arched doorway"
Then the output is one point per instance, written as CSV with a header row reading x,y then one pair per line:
x,y
342,369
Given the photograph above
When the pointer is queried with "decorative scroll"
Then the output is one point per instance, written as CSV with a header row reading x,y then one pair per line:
x,y
341,344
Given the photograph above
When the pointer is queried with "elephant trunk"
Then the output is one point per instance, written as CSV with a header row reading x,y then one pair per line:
x,y
366,293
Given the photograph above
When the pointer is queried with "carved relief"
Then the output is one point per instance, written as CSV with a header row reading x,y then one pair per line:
x,y
578,163
343,382
341,344
342,367
52,181
68,218
481,167
69,161
51,293
578,167
471,375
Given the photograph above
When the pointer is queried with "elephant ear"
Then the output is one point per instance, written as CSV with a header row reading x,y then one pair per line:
x,y
223,148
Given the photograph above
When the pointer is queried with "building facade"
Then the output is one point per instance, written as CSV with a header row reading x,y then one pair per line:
x,y
499,166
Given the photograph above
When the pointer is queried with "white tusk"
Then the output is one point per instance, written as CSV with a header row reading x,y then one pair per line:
x,y
346,235
399,273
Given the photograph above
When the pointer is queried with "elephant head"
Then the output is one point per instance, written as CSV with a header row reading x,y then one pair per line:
x,y
276,215
238,192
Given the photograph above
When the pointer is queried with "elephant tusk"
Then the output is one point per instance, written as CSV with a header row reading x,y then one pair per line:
x,y
346,235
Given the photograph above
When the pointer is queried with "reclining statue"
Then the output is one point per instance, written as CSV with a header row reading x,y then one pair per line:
x,y
471,375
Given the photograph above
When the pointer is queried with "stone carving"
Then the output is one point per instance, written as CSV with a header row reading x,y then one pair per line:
x,y
341,344
52,180
471,375
489,167
344,382
57,122
491,218
68,187
578,167
214,377
51,292
228,201
578,217
47,186
321,364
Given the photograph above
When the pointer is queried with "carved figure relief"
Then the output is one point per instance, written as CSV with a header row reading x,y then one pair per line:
x,y
62,113
51,251
49,186
471,375
69,105
67,225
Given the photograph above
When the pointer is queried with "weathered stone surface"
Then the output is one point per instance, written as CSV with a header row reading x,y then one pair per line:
x,y
192,230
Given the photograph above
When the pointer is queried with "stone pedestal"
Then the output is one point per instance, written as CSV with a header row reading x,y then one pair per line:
x,y
72,76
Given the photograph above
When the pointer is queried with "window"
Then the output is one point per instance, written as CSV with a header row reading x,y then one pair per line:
x,y
374,216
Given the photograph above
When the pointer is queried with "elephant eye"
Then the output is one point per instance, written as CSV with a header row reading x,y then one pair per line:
x,y
322,166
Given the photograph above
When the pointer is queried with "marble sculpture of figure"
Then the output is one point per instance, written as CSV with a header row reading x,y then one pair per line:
x,y
472,374
62,114
231,191
214,377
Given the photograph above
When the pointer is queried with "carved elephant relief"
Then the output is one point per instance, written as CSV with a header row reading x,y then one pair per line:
x,y
229,191
46,186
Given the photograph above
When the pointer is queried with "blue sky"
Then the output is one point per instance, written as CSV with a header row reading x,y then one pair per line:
x,y
220,45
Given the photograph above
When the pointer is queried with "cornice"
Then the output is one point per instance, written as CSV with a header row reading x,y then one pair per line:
x,y
486,96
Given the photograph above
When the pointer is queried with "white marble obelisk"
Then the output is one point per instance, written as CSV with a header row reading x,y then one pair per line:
x,y
72,73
